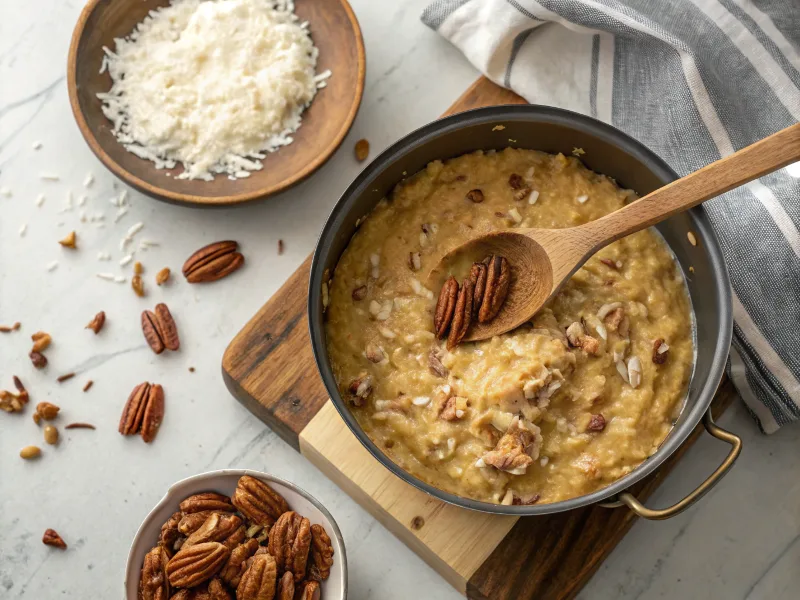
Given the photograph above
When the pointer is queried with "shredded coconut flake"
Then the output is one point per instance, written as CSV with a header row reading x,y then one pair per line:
x,y
88,181
212,85
52,266
6,192
49,177
36,145
39,199
106,276
23,229
582,199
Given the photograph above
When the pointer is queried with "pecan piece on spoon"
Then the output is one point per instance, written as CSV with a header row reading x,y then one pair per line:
x,y
478,277
462,315
445,307
498,278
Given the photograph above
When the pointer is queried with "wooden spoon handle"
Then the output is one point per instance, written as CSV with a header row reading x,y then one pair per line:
x,y
770,154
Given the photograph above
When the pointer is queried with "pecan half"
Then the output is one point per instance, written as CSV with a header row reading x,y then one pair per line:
x,y
236,538
206,501
258,501
308,590
213,262
196,564
159,329
477,275
321,554
289,543
237,562
259,580
285,587
216,528
153,584
143,411
475,196
435,363
170,533
498,278
462,315
660,351
596,423
445,307
96,324
51,538
511,454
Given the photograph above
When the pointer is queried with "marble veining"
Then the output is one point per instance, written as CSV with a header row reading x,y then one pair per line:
x,y
95,487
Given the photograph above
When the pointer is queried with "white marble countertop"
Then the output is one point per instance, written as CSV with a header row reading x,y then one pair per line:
x,y
94,488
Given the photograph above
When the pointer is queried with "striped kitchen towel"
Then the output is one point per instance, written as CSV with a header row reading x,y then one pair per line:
x,y
694,80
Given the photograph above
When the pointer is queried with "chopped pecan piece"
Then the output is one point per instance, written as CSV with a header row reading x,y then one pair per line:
x,y
660,351
96,324
498,278
596,423
217,590
359,293
515,181
447,411
41,341
290,542
360,389
285,587
213,262
475,196
321,554
51,538
374,353
38,359
526,500
445,307
574,334
462,315
258,501
609,263
259,580
196,564
435,363
237,562
511,452
191,522
308,590
216,528
237,537
590,345
153,584
614,318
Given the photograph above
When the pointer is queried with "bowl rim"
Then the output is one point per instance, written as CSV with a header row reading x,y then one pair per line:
x,y
604,132
159,193
133,570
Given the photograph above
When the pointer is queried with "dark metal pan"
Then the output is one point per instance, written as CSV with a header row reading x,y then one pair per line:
x,y
608,151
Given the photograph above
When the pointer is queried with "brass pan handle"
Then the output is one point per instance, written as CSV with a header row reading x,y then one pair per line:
x,y
641,510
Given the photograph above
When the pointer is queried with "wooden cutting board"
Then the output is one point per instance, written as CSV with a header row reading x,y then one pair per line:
x,y
269,367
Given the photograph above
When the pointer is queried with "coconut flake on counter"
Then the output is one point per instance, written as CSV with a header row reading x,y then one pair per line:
x,y
153,72
36,145
5,192
49,177
52,266
40,200
88,180
23,228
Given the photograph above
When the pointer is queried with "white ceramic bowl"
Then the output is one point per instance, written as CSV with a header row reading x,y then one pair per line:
x,y
224,482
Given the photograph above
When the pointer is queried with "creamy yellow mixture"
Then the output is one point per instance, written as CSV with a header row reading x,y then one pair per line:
x,y
550,411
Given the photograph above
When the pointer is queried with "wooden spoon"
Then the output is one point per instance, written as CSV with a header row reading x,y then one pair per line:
x,y
542,260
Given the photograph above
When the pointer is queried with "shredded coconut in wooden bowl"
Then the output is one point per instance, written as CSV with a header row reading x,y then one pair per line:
x,y
212,84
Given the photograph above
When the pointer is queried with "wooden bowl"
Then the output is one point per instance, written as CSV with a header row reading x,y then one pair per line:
x,y
334,30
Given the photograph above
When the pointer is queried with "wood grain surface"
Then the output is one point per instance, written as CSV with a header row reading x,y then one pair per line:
x,y
269,367
337,35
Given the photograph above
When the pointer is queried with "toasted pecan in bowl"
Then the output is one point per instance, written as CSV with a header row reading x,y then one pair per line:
x,y
220,552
